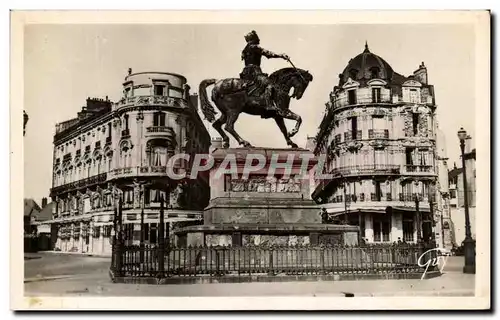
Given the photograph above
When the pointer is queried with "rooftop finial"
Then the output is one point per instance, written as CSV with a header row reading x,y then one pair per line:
x,y
366,46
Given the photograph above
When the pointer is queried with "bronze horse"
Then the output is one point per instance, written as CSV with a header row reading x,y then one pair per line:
x,y
231,98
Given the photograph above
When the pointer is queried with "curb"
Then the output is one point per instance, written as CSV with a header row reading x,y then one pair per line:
x,y
50,278
77,254
235,278
418,293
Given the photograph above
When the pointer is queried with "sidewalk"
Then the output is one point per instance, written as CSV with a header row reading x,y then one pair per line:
x,y
450,284
83,254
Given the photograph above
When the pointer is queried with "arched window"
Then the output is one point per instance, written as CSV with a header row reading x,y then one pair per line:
x,y
89,169
125,154
109,165
98,165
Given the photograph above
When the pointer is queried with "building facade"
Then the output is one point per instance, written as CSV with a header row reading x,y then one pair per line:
x,y
378,133
121,150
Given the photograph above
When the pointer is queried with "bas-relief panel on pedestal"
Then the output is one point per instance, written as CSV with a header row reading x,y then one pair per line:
x,y
274,240
264,184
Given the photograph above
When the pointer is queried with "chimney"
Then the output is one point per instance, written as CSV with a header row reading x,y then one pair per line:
x,y
44,202
421,74
468,144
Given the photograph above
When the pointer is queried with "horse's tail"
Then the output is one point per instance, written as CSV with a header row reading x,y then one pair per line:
x,y
207,109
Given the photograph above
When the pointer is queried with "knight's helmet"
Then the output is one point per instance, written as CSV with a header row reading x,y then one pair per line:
x,y
252,37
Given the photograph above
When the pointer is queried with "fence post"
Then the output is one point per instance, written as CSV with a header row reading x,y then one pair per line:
x,y
161,241
271,262
322,260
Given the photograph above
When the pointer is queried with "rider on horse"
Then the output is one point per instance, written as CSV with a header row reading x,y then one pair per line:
x,y
252,55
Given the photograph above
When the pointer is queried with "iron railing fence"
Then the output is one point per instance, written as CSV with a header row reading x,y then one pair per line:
x,y
143,261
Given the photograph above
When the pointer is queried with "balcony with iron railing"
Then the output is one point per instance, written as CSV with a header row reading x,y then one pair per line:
x,y
340,201
80,184
155,100
161,131
353,136
143,171
371,169
378,134
361,99
418,169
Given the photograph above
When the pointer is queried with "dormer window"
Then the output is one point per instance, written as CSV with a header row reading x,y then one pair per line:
x,y
351,95
374,73
353,73
159,90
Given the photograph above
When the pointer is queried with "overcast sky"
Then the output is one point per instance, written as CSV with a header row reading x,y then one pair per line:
x,y
65,64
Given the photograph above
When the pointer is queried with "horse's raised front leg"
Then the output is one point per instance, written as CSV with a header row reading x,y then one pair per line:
x,y
281,124
218,126
293,116
231,119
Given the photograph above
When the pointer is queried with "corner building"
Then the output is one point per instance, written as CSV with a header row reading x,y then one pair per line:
x,y
379,137
120,150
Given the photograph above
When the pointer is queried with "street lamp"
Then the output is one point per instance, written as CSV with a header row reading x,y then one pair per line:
x,y
469,250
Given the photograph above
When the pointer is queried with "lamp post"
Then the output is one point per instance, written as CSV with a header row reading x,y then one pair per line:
x,y
469,250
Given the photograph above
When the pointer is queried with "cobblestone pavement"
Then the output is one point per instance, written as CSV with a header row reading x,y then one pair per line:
x,y
88,276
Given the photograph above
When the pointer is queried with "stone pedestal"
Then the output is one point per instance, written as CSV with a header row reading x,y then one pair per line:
x,y
261,196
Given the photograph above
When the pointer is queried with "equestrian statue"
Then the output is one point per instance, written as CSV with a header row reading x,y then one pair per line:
x,y
255,93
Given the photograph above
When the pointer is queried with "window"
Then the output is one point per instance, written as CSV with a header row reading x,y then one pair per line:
x,y
159,119
378,191
376,95
156,195
338,138
109,164
353,73
415,117
374,72
414,96
380,157
126,92
354,127
153,233
159,90
351,94
125,119
409,156
453,194
362,226
97,232
408,227
381,228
